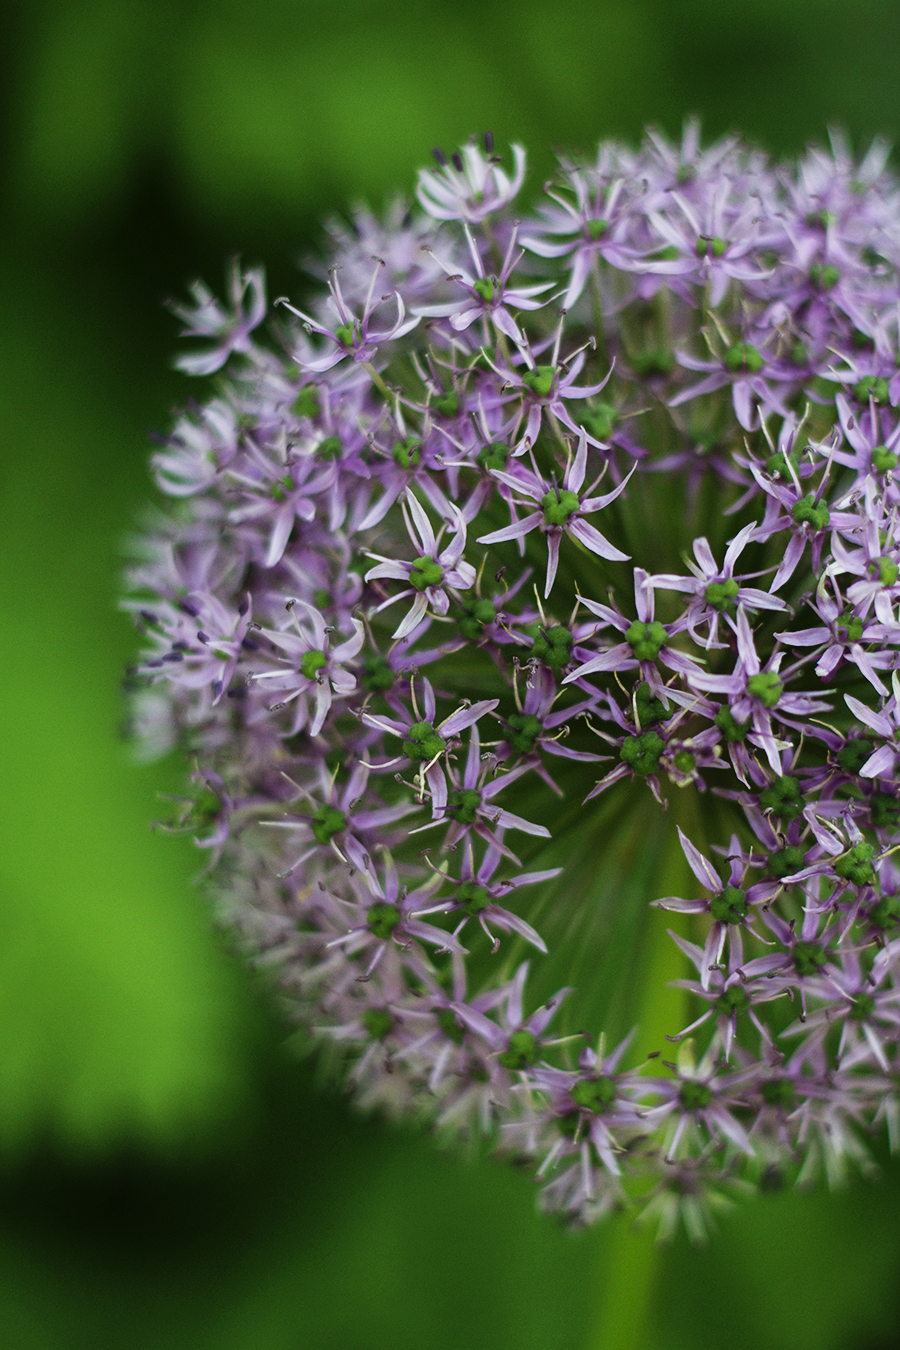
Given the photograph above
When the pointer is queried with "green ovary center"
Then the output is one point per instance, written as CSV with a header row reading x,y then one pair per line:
x,y
377,1022
450,1025
521,1050
378,676
559,506
492,456
808,958
766,687
383,918
783,797
408,453
423,743
810,512
646,639
282,486
594,1094
464,804
734,999
872,386
854,754
311,663
524,729
721,595
730,906
742,358
785,861
472,623
553,646
883,459
326,823
694,1096
824,276
731,729
425,573
472,898
649,710
856,865
641,753
345,333
540,380
778,1092
886,913
883,570
863,1007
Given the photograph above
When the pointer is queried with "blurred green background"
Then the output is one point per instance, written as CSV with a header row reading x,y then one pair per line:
x,y
169,1174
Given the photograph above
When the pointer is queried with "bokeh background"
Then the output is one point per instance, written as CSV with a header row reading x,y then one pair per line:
x,y
170,1173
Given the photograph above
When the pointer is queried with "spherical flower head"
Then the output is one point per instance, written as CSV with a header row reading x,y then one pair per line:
x,y
642,547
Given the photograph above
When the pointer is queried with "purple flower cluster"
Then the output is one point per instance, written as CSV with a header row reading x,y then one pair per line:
x,y
665,404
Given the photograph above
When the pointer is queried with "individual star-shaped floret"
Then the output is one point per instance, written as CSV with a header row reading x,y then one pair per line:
x,y
435,576
646,641
756,693
476,893
730,904
488,296
426,741
312,671
470,806
715,591
232,330
353,334
472,185
561,510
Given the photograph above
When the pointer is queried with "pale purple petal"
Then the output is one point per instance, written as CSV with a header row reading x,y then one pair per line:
x,y
465,717
413,618
701,868
513,822
505,322
877,721
514,531
881,764
594,540
323,704
422,525
792,555
553,539
281,532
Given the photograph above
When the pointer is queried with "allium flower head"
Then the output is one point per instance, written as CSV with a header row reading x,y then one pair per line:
x,y
535,585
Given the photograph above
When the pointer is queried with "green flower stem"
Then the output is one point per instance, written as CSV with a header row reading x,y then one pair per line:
x,y
629,1262
496,251
663,1009
630,1256
377,380
557,432
597,310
